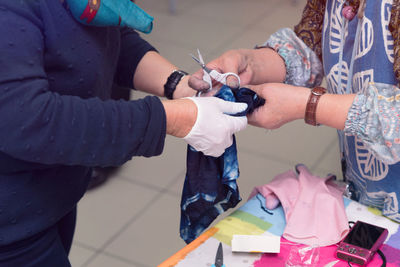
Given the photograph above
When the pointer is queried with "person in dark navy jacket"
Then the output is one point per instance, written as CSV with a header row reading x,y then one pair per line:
x,y
57,120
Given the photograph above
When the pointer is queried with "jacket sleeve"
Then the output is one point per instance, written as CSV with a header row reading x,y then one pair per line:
x,y
374,118
303,67
41,126
301,49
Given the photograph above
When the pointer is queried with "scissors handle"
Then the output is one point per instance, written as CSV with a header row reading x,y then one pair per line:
x,y
222,77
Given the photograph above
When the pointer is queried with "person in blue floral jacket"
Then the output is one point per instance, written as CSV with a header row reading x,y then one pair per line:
x,y
355,45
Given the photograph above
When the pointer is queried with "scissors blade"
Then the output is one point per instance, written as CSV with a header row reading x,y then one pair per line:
x,y
219,257
197,60
200,56
201,63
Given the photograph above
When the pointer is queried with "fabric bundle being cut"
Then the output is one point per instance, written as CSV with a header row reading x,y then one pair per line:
x,y
210,186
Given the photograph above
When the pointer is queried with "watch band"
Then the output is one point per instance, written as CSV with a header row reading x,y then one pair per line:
x,y
174,78
261,46
311,108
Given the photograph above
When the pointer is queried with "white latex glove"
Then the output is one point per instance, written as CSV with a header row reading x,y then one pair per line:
x,y
213,129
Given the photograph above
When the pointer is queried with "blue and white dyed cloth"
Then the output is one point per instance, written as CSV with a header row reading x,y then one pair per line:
x,y
371,138
210,185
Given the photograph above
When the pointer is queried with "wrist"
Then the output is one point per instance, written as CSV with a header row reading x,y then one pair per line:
x,y
172,82
310,115
297,101
183,89
181,115
334,104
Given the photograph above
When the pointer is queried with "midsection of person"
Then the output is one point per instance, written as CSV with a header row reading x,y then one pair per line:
x,y
78,61
375,182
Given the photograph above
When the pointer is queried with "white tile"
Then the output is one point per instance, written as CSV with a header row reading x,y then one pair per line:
x,y
234,12
258,167
154,237
177,54
293,143
164,6
79,255
137,95
107,261
102,212
247,39
256,170
329,162
193,31
287,15
161,170
177,186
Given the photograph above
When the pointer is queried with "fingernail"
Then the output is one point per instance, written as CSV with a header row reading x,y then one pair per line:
x,y
233,84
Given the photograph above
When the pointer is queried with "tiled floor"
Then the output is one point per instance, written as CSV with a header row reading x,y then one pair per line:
x,y
133,220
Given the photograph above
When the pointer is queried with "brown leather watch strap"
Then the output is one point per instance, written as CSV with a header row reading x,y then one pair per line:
x,y
311,108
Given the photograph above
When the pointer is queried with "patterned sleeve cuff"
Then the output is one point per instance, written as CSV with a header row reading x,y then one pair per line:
x,y
303,68
374,118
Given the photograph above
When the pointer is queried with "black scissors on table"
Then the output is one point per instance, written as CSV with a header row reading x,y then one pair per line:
x,y
219,257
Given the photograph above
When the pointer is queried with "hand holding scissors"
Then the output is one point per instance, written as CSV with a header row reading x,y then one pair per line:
x,y
210,74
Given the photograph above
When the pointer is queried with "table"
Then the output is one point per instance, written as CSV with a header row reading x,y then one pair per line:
x,y
250,219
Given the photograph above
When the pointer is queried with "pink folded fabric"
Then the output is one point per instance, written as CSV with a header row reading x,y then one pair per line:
x,y
313,206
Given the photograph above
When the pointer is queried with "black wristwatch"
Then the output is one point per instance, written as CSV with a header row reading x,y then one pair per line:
x,y
172,81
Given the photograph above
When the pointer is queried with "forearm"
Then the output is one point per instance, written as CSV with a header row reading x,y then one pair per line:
x,y
267,64
152,73
286,103
332,110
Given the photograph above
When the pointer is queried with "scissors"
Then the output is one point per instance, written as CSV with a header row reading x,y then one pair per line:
x,y
212,74
219,257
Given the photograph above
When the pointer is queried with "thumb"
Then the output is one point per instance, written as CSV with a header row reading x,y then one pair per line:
x,y
196,81
230,65
237,123
231,108
232,81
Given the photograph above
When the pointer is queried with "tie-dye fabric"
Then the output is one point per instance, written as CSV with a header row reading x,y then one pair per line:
x,y
210,186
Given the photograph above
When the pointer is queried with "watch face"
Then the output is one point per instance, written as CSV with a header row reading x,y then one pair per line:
x,y
183,73
318,91
172,81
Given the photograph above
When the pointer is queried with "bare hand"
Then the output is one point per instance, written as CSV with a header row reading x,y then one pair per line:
x,y
284,103
236,61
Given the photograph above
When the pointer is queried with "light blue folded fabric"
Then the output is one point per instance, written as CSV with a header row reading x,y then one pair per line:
x,y
111,13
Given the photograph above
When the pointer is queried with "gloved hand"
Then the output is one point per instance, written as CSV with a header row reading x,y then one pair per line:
x,y
214,127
